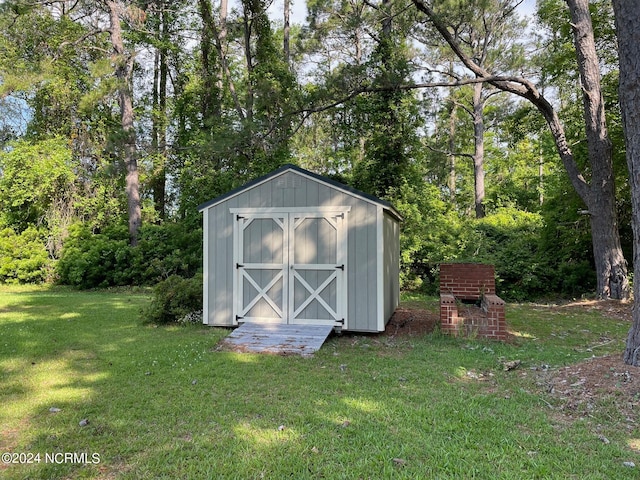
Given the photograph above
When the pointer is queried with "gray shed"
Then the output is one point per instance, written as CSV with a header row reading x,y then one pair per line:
x,y
294,247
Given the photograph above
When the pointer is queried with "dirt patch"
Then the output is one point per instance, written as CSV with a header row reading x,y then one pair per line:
x,y
579,390
608,308
581,386
410,322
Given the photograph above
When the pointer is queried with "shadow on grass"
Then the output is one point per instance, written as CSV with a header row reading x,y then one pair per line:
x,y
162,403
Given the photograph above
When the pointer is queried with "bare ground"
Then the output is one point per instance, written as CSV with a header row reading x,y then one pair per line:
x,y
409,322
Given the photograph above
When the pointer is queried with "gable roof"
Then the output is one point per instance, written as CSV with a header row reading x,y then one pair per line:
x,y
314,176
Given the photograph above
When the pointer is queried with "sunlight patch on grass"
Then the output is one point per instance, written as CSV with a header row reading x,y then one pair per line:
x,y
245,357
522,334
265,438
634,444
51,383
363,404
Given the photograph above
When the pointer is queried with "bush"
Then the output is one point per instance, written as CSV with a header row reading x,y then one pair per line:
x,y
175,299
430,235
509,239
91,260
168,249
23,257
106,259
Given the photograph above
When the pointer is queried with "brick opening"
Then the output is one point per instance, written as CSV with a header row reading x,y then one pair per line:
x,y
461,283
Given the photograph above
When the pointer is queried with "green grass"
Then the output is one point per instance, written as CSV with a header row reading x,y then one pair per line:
x,y
162,403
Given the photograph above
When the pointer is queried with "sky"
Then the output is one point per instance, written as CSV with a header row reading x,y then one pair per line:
x,y
299,10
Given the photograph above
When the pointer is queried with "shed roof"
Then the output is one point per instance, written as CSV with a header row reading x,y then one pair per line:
x,y
319,178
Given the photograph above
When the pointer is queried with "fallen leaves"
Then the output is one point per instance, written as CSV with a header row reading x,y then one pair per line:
x,y
511,365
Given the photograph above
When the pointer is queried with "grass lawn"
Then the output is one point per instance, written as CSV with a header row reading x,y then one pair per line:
x,y
161,402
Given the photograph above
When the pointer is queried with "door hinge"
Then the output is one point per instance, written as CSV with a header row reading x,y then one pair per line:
x,y
238,318
238,217
341,267
238,266
340,321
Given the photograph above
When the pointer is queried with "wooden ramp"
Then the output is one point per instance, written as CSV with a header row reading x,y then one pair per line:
x,y
277,338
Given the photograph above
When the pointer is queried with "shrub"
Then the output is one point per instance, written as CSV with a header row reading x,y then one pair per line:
x,y
91,260
106,259
430,234
175,299
23,257
168,249
509,239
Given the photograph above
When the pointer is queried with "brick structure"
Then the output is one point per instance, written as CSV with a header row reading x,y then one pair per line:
x,y
468,301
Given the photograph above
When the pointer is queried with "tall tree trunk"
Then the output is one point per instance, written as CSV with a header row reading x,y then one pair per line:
x,y
627,15
451,180
599,195
247,14
611,267
478,150
219,36
222,42
209,103
159,127
540,175
124,68
387,21
286,32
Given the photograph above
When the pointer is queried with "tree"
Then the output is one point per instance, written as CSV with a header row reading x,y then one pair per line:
x,y
37,184
487,31
62,66
598,194
627,16
123,61
391,115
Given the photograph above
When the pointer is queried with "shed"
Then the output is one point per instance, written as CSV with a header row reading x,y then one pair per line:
x,y
294,247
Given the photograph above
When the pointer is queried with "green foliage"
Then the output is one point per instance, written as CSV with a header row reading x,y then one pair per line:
x,y
565,244
174,299
391,146
173,248
36,177
431,233
533,255
91,260
508,239
105,259
23,256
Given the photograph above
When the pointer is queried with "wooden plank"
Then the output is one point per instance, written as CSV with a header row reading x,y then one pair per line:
x,y
278,338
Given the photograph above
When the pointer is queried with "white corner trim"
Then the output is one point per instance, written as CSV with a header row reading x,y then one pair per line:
x,y
380,267
205,265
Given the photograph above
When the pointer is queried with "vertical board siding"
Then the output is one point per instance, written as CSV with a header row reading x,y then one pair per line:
x,y
291,189
220,274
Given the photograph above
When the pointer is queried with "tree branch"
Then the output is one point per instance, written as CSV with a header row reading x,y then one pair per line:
x,y
444,152
523,88
410,86
81,40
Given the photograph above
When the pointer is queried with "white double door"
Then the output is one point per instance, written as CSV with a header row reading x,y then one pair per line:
x,y
290,266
